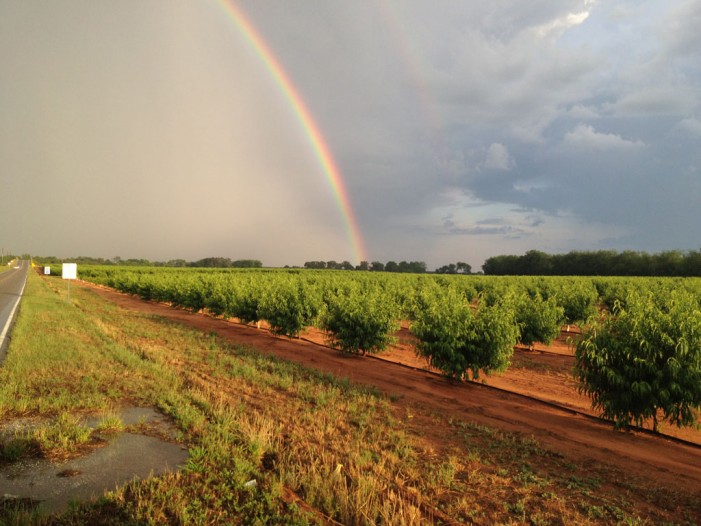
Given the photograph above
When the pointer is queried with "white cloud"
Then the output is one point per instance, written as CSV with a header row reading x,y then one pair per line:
x,y
558,26
530,130
582,112
586,137
681,30
531,186
481,76
691,125
498,158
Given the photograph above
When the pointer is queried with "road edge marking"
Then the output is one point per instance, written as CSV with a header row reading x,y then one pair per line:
x,y
10,320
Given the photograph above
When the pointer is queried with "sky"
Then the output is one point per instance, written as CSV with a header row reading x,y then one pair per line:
x,y
458,130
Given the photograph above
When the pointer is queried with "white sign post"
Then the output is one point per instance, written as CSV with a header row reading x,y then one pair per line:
x,y
69,271
47,271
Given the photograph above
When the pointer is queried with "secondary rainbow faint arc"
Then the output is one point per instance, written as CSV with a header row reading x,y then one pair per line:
x,y
316,140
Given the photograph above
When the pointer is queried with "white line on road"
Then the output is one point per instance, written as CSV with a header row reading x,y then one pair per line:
x,y
8,323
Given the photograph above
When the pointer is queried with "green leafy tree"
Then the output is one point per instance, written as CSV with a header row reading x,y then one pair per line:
x,y
454,268
315,264
579,301
359,320
247,263
447,269
243,301
363,265
377,266
462,342
392,266
463,267
288,306
539,320
212,262
644,360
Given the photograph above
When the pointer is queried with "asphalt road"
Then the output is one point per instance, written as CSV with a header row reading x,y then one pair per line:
x,y
11,287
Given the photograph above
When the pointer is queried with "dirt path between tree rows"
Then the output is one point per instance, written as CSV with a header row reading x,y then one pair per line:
x,y
575,436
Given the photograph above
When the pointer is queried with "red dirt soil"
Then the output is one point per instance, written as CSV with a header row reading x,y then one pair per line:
x,y
403,376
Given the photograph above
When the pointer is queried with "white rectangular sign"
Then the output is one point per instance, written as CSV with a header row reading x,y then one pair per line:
x,y
47,271
70,271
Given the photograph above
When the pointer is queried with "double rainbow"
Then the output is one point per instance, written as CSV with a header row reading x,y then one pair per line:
x,y
310,128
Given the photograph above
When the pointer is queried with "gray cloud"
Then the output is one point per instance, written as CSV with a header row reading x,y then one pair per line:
x,y
163,126
668,100
507,231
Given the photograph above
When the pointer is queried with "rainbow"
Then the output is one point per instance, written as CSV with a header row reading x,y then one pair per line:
x,y
411,58
313,134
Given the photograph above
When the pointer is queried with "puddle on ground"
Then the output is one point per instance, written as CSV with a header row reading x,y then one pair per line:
x,y
126,456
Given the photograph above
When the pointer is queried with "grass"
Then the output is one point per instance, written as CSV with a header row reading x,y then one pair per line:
x,y
7,264
320,449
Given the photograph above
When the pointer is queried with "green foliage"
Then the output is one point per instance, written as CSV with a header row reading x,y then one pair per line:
x,y
644,359
597,263
64,435
219,262
288,306
243,302
454,268
579,301
539,320
360,320
460,342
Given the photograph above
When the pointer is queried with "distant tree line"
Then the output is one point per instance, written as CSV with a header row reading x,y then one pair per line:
x,y
210,262
596,263
226,263
6,258
455,268
416,267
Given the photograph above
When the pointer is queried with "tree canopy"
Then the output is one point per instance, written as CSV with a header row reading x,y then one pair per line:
x,y
596,263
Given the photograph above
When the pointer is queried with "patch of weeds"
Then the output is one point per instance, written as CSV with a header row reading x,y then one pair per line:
x,y
110,424
504,445
366,457
473,455
586,485
18,448
517,508
444,475
527,477
14,510
197,460
595,512
537,519
62,436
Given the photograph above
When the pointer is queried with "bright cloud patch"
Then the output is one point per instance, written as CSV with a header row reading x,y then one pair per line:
x,y
498,157
691,125
562,24
586,137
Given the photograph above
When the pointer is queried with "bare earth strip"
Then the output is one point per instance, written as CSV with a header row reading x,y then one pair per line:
x,y
656,459
544,374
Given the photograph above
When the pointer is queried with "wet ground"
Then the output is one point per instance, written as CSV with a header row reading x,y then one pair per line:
x,y
53,485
